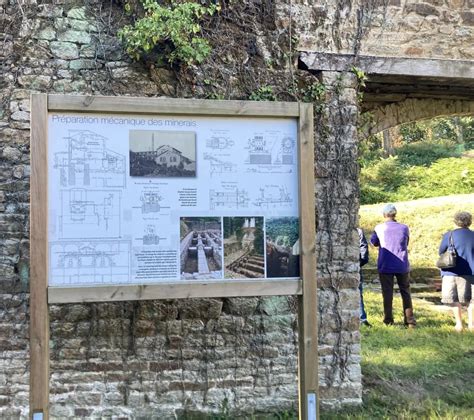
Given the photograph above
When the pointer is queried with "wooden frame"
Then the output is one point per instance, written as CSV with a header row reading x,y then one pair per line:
x,y
41,295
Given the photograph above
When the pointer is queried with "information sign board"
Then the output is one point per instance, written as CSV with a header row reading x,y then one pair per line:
x,y
147,198
142,199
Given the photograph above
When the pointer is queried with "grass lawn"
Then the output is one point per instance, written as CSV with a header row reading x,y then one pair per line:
x,y
425,373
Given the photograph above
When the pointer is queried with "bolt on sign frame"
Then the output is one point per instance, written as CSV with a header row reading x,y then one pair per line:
x,y
41,294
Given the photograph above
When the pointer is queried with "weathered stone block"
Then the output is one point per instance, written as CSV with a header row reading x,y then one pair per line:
x,y
423,9
77,13
79,37
468,18
35,82
83,63
64,50
47,33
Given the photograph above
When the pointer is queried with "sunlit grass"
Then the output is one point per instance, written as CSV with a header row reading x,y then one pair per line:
x,y
425,373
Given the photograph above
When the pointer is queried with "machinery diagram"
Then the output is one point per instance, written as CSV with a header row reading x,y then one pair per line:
x,y
219,142
273,195
89,262
88,163
219,167
267,150
151,201
90,213
231,198
150,237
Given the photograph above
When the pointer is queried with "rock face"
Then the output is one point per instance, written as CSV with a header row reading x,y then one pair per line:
x,y
170,358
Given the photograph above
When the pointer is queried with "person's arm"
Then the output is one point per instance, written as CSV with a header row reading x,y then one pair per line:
x,y
363,248
444,244
374,239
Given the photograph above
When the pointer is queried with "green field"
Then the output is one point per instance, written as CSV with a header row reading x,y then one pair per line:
x,y
425,373
427,219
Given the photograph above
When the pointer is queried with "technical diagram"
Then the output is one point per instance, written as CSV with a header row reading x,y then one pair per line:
x,y
150,237
151,201
260,151
90,214
88,162
287,151
232,198
219,142
266,149
272,196
89,262
218,167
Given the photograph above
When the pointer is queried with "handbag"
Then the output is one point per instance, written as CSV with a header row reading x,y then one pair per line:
x,y
448,258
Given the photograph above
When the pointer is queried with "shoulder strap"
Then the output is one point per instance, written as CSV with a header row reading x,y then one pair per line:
x,y
451,241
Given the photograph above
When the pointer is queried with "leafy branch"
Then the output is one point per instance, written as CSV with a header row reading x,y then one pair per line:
x,y
170,32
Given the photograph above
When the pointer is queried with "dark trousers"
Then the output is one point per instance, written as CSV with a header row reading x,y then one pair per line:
x,y
403,280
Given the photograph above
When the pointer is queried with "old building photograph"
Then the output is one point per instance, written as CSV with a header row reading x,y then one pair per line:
x,y
163,154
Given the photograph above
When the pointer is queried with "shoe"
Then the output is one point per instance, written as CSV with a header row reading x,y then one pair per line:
x,y
411,326
365,323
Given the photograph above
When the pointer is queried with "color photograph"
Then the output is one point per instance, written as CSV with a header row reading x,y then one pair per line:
x,y
282,247
244,247
201,248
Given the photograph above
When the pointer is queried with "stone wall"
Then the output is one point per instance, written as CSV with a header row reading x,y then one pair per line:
x,y
136,359
402,28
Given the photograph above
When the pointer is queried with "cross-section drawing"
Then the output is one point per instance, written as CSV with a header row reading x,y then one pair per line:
x,y
228,199
267,152
286,152
219,167
260,150
90,214
151,201
150,236
88,162
273,195
219,142
89,262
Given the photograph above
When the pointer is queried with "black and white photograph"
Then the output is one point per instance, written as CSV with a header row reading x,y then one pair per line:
x,y
162,154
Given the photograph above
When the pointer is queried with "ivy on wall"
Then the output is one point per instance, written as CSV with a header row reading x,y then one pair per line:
x,y
168,33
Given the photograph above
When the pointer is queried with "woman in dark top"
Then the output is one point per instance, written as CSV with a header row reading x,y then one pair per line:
x,y
458,281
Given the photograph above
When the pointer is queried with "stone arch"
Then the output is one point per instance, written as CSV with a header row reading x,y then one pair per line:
x,y
413,109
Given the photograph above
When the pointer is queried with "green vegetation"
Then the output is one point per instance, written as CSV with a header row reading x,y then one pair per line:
x,y
286,229
427,219
425,160
263,93
168,32
390,180
425,373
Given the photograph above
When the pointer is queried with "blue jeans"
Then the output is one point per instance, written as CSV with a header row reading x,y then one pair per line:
x,y
362,313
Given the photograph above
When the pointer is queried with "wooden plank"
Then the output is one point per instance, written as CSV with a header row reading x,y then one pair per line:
x,y
170,106
421,67
175,290
39,320
307,303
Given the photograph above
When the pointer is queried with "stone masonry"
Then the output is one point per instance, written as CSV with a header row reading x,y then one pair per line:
x,y
230,356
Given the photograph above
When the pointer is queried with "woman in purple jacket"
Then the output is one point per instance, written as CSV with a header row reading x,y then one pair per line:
x,y
457,287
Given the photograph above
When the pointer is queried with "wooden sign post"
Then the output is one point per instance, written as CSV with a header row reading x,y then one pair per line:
x,y
182,161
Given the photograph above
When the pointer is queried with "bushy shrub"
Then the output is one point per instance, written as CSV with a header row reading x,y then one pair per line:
x,y
444,177
424,153
370,194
